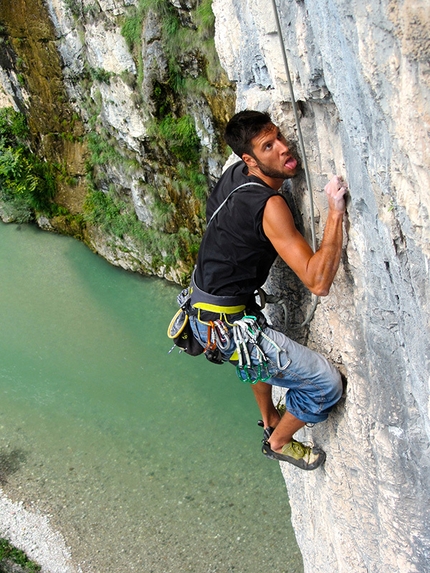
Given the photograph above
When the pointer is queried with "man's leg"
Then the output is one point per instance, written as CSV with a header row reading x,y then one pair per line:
x,y
314,386
263,396
285,427
280,445
284,431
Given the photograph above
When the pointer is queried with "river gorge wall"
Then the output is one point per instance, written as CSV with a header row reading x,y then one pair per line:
x,y
126,100
361,76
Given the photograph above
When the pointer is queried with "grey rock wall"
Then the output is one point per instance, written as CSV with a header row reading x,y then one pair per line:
x,y
361,75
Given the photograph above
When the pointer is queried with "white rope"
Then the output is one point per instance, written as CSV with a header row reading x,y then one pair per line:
x,y
302,148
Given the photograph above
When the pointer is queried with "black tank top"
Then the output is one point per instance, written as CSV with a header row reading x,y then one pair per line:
x,y
235,255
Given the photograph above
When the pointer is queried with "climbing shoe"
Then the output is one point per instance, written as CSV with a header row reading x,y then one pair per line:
x,y
267,432
296,453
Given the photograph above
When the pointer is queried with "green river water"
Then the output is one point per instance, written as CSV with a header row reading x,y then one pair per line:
x,y
144,461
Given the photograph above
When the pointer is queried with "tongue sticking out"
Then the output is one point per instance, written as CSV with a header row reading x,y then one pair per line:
x,y
291,163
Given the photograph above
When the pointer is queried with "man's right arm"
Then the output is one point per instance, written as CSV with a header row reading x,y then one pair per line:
x,y
316,270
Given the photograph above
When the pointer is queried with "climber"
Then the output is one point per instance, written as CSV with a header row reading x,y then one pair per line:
x,y
251,224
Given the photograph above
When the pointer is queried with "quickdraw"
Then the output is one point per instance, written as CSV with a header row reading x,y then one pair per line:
x,y
248,331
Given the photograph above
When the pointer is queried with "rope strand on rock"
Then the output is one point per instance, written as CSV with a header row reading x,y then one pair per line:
x,y
302,149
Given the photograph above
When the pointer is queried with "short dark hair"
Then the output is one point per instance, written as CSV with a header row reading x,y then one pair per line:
x,y
243,127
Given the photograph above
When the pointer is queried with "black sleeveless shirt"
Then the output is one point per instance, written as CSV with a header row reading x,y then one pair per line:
x,y
235,255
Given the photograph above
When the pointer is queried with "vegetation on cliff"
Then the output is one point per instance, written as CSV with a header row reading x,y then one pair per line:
x,y
144,192
175,164
27,183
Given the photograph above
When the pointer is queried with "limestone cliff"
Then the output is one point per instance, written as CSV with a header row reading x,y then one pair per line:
x,y
361,75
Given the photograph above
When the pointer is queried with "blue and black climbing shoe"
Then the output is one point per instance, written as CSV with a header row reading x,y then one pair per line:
x,y
296,453
267,432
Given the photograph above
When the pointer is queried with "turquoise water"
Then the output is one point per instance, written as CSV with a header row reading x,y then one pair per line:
x,y
145,461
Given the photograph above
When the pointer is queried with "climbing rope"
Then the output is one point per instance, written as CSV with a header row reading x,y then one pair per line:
x,y
302,149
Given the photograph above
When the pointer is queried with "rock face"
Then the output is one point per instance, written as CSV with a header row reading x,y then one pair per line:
x,y
361,76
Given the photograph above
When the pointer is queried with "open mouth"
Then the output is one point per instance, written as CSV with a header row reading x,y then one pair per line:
x,y
291,163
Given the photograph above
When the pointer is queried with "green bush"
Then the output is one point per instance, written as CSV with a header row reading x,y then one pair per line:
x,y
26,182
180,136
205,18
107,212
100,75
102,150
132,30
7,551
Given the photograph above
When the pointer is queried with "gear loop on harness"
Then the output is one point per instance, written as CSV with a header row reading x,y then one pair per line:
x,y
272,299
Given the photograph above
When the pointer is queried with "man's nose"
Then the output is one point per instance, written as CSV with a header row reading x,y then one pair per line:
x,y
283,147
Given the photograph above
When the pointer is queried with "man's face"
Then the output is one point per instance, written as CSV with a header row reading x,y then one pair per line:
x,y
272,155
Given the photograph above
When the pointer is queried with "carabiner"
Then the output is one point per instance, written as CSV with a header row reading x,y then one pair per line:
x,y
243,374
221,335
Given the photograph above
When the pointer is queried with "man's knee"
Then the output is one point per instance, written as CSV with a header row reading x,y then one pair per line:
x,y
334,394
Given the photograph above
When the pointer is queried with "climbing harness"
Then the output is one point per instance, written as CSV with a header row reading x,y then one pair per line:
x,y
272,299
302,149
221,305
179,329
228,320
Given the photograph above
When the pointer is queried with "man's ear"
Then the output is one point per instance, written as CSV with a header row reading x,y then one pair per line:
x,y
249,160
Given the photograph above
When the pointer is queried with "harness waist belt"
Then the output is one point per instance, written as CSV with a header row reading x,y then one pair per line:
x,y
215,303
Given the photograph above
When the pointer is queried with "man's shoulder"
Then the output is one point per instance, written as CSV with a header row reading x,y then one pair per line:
x,y
232,163
233,174
232,177
236,175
